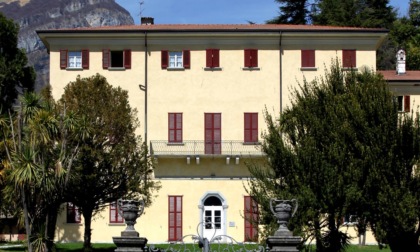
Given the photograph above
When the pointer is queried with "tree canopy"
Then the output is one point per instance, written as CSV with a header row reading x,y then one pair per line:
x,y
36,164
366,13
341,149
405,34
15,75
112,162
291,12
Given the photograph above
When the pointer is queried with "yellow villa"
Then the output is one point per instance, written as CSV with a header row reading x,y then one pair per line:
x,y
200,92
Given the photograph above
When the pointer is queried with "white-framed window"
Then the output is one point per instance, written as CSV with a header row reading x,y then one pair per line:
x,y
73,214
175,59
74,59
403,103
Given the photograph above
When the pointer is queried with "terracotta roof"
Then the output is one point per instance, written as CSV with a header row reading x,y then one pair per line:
x,y
216,27
391,75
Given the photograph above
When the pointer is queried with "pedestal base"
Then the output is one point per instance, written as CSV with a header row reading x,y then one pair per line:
x,y
129,244
283,243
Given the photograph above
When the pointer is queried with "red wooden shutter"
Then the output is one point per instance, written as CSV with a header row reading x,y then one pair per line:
x,y
208,133
254,58
164,59
251,127
216,58
209,57
63,59
217,148
212,135
308,58
105,58
247,58
171,126
175,218
247,132
251,58
85,59
186,58
178,126
127,59
212,57
407,103
175,127
349,58
251,219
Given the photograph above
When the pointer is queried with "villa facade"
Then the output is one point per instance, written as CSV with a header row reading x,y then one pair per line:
x,y
200,92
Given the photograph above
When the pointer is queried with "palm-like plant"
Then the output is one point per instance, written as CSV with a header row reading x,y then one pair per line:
x,y
34,140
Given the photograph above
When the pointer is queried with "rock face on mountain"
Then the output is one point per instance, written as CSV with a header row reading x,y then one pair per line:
x,y
32,15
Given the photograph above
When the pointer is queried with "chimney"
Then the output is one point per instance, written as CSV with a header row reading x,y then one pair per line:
x,y
147,21
400,62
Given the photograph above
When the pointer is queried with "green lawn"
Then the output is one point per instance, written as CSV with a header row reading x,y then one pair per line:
x,y
75,247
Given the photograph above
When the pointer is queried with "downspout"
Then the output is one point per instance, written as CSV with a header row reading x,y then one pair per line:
x,y
145,87
281,73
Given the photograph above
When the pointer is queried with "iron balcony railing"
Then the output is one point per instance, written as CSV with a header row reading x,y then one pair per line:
x,y
201,147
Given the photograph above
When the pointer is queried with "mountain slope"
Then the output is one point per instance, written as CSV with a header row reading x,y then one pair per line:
x,y
32,15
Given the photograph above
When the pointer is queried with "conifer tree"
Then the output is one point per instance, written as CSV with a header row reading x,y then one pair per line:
x,y
291,12
364,13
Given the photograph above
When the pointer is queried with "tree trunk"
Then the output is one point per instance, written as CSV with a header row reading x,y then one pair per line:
x,y
318,236
87,215
27,224
50,227
364,238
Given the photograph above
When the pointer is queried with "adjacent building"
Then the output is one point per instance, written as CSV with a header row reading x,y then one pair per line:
x,y
200,92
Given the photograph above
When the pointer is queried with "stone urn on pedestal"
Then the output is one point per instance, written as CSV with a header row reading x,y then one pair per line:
x,y
130,239
283,239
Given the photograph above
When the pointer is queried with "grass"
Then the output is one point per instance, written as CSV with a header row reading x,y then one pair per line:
x,y
109,247
68,247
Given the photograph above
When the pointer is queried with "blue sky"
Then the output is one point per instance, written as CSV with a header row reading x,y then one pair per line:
x,y
213,11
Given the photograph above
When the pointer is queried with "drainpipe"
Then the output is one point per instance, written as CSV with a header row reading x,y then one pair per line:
x,y
281,73
145,87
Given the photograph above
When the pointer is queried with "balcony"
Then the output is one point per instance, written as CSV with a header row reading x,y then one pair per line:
x,y
201,148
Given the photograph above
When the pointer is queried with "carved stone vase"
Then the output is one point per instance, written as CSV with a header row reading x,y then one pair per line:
x,y
283,239
129,241
283,210
130,210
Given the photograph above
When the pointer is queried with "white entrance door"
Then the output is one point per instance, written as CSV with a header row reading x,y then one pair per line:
x,y
213,221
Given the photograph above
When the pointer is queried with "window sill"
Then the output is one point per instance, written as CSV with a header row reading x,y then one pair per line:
x,y
251,143
74,68
309,69
116,224
349,69
212,69
175,68
251,68
175,144
116,68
